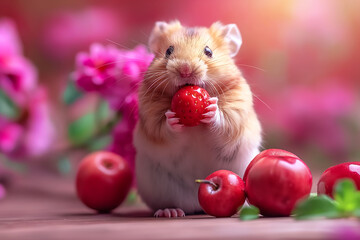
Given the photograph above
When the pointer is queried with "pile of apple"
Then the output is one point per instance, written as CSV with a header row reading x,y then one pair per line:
x,y
275,181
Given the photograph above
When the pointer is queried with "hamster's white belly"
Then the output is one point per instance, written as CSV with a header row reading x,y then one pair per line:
x,y
166,173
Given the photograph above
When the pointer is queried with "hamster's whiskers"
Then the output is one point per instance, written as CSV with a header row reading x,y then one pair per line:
x,y
162,81
196,68
119,44
250,66
266,105
127,48
155,81
162,93
214,89
117,81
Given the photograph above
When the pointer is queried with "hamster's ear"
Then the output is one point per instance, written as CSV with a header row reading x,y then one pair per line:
x,y
160,27
159,31
156,33
231,35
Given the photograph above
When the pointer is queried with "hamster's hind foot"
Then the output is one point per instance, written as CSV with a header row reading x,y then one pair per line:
x,y
169,213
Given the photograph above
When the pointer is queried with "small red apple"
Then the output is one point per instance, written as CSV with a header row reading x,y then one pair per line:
x,y
189,104
275,181
103,180
221,193
333,174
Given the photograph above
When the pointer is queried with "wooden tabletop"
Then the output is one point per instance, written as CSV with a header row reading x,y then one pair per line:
x,y
49,209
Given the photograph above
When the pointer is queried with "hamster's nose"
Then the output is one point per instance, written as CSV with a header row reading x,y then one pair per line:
x,y
185,70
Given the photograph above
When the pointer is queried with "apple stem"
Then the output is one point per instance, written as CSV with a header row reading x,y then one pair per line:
x,y
207,182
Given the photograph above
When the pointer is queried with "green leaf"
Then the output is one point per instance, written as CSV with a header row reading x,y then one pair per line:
x,y
357,210
103,111
346,196
132,197
249,213
82,129
7,107
71,93
99,143
316,207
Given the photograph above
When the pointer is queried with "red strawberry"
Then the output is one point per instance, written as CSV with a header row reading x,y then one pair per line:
x,y
189,104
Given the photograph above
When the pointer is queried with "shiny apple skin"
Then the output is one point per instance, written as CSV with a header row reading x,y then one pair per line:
x,y
226,200
276,181
268,152
103,180
331,175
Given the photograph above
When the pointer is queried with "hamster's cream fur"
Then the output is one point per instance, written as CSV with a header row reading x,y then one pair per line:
x,y
170,156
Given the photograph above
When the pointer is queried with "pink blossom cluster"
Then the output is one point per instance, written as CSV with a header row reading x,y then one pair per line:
x,y
115,74
28,133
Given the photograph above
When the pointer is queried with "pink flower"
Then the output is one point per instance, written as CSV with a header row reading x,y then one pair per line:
x,y
10,134
31,134
9,39
98,70
122,142
40,132
134,65
70,31
123,132
18,76
111,72
136,62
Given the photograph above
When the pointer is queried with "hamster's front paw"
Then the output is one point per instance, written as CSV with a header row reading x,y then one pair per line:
x,y
213,114
173,122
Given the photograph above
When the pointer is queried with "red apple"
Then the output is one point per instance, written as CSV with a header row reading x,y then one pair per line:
x,y
333,174
221,193
268,152
189,104
275,181
103,180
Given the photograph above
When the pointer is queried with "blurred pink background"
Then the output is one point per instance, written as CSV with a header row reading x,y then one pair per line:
x,y
301,59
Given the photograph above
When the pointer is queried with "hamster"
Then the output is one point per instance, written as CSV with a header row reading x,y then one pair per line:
x,y
171,156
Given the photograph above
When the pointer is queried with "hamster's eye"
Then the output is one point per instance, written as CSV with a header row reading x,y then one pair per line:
x,y
169,51
208,52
